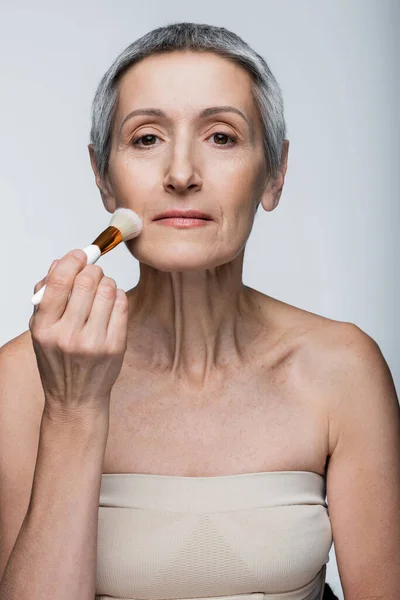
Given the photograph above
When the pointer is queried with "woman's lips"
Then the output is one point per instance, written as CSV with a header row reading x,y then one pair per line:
x,y
183,222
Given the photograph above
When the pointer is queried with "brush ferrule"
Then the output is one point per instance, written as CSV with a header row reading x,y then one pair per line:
x,y
108,239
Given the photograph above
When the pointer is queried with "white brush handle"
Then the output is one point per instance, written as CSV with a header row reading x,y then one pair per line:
x,y
93,254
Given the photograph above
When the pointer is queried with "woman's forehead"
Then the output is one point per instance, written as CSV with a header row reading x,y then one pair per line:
x,y
184,84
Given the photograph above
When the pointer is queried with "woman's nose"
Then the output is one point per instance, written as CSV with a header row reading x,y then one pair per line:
x,y
182,173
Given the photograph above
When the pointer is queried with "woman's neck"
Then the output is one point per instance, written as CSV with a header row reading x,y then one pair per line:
x,y
190,324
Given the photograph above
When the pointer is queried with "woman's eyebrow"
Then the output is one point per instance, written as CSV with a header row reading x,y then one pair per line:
x,y
212,110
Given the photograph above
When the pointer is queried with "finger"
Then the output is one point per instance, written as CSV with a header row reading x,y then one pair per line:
x,y
82,296
58,287
118,324
102,307
53,264
42,282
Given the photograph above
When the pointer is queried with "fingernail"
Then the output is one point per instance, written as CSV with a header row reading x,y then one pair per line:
x,y
80,254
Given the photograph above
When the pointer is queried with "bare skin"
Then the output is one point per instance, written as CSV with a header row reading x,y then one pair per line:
x,y
216,379
262,413
271,414
209,384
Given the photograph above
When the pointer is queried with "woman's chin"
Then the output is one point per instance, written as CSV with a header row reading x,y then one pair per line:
x,y
181,255
176,259
174,263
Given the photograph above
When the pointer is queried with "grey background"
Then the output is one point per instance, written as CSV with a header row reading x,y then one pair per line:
x,y
332,245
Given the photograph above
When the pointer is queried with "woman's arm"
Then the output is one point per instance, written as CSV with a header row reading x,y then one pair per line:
x,y
54,555
363,478
79,339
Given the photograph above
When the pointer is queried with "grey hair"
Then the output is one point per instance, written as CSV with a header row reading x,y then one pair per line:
x,y
196,37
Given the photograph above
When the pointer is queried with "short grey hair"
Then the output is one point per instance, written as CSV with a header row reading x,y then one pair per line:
x,y
195,37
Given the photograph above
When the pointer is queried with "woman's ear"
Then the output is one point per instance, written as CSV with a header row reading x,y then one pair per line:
x,y
273,189
103,184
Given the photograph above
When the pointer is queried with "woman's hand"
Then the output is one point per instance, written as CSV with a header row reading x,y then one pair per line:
x,y
79,343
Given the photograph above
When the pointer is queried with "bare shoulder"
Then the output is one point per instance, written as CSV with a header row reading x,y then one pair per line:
x,y
20,375
339,353
339,358
321,343
363,482
332,359
310,335
21,399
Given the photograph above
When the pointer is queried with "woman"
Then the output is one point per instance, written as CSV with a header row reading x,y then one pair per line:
x,y
190,429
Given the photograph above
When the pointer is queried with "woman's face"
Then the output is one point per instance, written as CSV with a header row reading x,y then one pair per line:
x,y
183,160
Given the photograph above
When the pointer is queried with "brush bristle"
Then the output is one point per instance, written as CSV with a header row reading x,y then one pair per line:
x,y
128,222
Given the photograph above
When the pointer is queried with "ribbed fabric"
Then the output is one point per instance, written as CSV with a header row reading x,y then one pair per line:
x,y
265,535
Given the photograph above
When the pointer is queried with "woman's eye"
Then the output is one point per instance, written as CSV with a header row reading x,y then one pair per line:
x,y
221,137
147,139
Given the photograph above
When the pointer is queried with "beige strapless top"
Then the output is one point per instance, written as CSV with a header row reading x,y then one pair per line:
x,y
252,536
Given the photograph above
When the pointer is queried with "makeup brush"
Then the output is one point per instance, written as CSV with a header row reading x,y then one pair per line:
x,y
125,224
